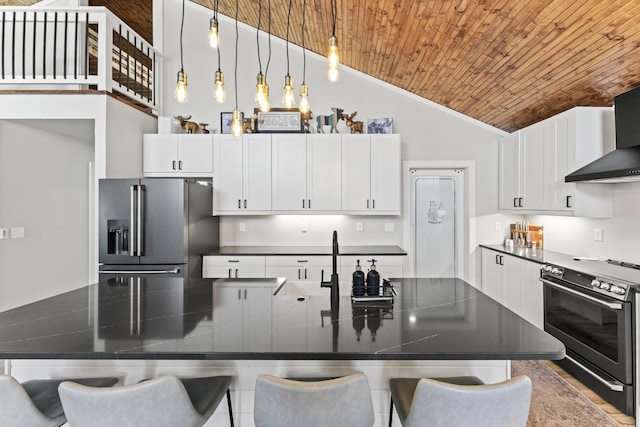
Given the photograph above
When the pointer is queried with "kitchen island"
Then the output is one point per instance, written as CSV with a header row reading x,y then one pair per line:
x,y
148,326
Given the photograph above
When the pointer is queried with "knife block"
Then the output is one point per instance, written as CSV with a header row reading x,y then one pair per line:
x,y
535,234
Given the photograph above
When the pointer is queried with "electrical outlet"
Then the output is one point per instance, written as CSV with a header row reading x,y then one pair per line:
x,y
359,226
388,226
597,234
304,228
17,232
242,226
498,226
4,233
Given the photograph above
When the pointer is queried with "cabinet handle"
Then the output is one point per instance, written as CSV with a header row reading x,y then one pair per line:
x,y
180,164
239,293
239,207
302,203
229,273
298,274
309,204
236,273
245,294
367,203
569,201
498,259
501,260
174,165
515,202
520,199
233,260
305,274
245,203
373,203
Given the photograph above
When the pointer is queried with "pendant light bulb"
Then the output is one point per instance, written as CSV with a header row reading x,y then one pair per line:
x,y
287,98
219,93
236,123
304,99
265,106
260,89
213,33
181,93
333,59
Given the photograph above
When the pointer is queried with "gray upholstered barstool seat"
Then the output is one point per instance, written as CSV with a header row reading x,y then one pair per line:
x,y
457,401
163,401
344,401
36,403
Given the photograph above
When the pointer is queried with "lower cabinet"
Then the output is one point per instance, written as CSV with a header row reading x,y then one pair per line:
x,y
513,282
301,271
233,267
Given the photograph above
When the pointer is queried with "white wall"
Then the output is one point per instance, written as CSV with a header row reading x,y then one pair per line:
x,y
44,181
621,234
429,131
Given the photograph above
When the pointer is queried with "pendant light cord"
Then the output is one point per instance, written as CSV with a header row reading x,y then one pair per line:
x,y
266,71
236,65
304,56
215,16
334,11
288,21
181,28
258,34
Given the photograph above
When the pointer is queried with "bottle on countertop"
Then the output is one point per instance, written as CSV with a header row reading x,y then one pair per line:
x,y
373,280
358,281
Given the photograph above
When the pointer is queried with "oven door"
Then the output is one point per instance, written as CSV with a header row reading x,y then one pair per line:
x,y
596,328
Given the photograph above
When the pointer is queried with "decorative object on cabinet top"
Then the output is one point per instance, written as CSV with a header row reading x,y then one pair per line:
x,y
384,125
279,120
354,125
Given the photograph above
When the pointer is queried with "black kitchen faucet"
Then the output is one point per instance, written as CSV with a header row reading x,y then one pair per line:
x,y
333,284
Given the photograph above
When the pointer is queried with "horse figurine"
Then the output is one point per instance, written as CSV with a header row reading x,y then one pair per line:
x,y
330,119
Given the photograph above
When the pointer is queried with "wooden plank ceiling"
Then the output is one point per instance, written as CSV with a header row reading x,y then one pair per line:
x,y
508,63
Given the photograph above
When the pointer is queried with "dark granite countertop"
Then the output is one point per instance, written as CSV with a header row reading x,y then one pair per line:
x,y
241,319
307,250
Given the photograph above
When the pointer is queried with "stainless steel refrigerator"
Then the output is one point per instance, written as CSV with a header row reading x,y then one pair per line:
x,y
158,226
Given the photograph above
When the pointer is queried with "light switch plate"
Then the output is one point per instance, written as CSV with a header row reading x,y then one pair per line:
x,y
242,226
597,234
359,226
17,232
4,233
388,226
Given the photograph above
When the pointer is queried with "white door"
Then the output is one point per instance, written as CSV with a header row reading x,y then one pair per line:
x,y
195,153
437,219
509,171
324,177
289,172
385,172
160,153
356,178
227,173
257,172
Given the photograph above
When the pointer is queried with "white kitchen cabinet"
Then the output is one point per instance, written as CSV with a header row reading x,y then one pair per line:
x,y
535,160
574,139
371,174
242,174
389,266
189,155
233,267
300,271
521,168
306,172
513,282
239,316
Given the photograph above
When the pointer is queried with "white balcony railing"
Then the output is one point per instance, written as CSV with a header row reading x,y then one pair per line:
x,y
79,48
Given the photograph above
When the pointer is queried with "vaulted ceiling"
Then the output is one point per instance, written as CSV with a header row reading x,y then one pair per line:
x,y
508,63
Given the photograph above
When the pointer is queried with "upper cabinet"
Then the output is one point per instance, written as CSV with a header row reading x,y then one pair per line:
x,y
535,160
241,174
371,174
186,155
306,172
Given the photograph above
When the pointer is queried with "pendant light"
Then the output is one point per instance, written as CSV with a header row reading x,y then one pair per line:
x,y
287,98
236,117
332,57
181,93
304,90
214,37
266,105
261,80
219,93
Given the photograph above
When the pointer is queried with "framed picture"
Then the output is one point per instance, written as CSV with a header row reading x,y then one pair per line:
x,y
384,125
279,120
225,121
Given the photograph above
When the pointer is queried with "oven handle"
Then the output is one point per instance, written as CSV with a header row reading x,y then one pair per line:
x,y
611,385
611,305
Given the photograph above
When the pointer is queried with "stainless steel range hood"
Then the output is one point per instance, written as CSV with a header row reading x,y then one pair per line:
x,y
623,163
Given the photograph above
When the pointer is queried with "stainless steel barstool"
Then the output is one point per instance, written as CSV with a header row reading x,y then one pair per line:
x,y
344,401
163,401
457,401
36,403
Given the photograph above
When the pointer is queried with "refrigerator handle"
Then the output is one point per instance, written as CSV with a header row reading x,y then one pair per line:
x,y
132,221
140,220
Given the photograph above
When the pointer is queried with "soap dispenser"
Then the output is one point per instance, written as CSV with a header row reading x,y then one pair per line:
x,y
373,280
358,281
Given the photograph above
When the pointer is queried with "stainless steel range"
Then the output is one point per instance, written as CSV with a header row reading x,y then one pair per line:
x,y
593,315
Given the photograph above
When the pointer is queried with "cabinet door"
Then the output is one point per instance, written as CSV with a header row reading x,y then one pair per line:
x,y
160,153
256,172
532,294
195,153
385,173
324,172
509,171
532,167
289,170
560,194
227,173
492,274
512,288
356,174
